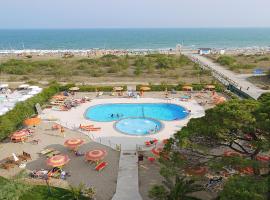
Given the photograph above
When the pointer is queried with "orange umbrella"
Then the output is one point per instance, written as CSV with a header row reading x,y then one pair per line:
x,y
58,160
210,87
187,88
32,121
95,155
19,135
73,143
145,88
59,97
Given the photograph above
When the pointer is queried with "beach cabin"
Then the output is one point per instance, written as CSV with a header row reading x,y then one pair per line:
x,y
205,51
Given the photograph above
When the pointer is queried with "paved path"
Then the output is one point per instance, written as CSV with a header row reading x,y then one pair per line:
x,y
127,182
239,79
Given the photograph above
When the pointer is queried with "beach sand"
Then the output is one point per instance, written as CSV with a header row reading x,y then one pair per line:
x,y
81,172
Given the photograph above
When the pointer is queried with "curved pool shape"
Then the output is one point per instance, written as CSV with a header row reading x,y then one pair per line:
x,y
114,112
138,126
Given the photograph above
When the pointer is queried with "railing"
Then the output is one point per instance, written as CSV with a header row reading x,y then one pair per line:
x,y
91,136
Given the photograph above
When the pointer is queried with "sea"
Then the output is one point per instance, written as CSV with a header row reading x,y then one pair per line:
x,y
158,38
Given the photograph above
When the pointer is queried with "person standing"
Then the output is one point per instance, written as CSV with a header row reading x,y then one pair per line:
x,y
62,130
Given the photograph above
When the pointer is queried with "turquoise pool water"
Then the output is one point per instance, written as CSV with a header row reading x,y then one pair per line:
x,y
115,112
138,126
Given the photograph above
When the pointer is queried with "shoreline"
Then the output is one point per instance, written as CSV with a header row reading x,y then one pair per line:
x,y
97,51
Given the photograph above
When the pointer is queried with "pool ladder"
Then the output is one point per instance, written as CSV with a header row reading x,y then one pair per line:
x,y
143,112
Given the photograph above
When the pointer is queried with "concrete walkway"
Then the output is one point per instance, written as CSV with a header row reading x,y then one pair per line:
x,y
239,79
127,182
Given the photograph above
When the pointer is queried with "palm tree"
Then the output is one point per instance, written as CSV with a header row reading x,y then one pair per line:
x,y
179,189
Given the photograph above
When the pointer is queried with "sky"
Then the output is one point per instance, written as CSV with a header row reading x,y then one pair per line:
x,y
24,14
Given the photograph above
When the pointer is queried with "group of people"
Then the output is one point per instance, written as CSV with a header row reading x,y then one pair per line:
x,y
117,115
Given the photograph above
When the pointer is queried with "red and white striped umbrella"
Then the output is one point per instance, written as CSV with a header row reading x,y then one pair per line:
x,y
19,135
95,155
58,160
73,143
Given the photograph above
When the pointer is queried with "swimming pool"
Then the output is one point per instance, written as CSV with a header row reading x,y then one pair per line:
x,y
115,112
138,126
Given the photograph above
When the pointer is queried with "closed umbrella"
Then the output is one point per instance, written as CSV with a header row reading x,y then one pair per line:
x,y
58,160
95,155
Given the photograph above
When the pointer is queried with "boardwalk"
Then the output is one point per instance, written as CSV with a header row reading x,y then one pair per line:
x,y
239,80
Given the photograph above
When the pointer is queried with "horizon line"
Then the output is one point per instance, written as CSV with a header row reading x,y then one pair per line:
x,y
85,28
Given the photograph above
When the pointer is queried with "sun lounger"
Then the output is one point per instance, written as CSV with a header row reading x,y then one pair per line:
x,y
25,156
101,166
53,153
46,151
151,159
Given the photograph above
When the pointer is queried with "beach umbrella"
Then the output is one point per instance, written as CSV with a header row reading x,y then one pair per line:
x,y
145,88
210,87
32,121
74,89
95,155
118,88
187,88
73,143
58,160
59,97
19,135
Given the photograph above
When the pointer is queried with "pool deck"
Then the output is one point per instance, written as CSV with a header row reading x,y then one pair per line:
x,y
111,137
127,180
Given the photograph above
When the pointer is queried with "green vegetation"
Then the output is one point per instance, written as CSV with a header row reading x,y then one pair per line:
x,y
243,63
66,69
179,87
15,189
239,125
179,189
242,188
13,119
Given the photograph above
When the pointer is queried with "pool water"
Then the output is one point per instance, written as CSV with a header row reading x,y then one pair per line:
x,y
138,126
115,112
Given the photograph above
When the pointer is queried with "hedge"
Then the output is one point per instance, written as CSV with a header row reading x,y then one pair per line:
x,y
13,119
90,88
196,87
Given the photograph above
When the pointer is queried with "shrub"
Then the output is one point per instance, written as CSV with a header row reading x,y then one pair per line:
x,y
13,119
226,60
